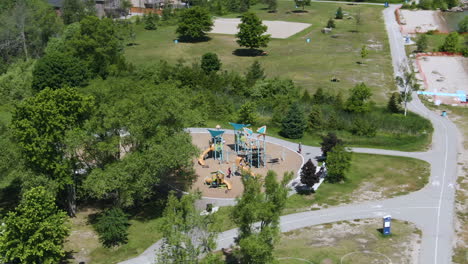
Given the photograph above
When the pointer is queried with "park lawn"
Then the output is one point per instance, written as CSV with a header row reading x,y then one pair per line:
x,y
310,65
85,246
365,181
328,243
377,170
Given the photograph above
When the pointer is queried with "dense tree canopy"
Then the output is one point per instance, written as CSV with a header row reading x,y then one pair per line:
x,y
25,28
35,232
186,234
56,70
257,244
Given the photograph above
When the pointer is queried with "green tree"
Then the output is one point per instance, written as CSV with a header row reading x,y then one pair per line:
x,y
251,32
151,21
186,233
112,227
319,97
194,23
254,73
364,52
338,163
157,150
316,119
210,62
294,123
408,82
329,142
40,124
272,5
452,3
302,3
421,43
247,114
358,100
331,23
74,10
35,232
339,13
451,43
463,25
394,103
257,244
308,175
97,43
57,70
25,28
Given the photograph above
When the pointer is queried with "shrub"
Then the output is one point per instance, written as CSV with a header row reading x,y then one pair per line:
x,y
339,13
210,62
362,127
463,25
331,23
112,227
308,176
451,43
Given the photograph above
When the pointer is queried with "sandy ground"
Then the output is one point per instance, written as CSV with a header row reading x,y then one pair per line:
x,y
277,29
274,153
358,236
420,21
445,75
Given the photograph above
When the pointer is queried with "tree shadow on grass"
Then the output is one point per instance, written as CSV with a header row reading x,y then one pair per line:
x,y
249,52
193,40
300,11
9,196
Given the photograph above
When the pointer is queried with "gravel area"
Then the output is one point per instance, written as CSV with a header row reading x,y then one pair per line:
x,y
277,29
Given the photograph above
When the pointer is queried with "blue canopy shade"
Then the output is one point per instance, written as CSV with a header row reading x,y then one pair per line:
x,y
238,126
216,133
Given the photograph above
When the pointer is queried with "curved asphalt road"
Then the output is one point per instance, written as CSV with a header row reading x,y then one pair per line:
x,y
430,208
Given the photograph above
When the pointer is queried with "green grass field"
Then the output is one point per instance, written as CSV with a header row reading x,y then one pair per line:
x,y
329,243
368,174
310,65
369,170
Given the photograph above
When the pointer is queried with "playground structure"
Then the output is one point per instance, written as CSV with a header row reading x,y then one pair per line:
x,y
252,148
217,179
278,158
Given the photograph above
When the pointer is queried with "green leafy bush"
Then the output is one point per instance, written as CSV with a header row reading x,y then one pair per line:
x,y
112,227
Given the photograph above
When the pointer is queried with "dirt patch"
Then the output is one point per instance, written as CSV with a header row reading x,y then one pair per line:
x,y
83,239
444,74
277,29
278,159
420,21
359,239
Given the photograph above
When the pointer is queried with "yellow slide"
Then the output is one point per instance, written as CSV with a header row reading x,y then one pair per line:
x,y
228,184
243,167
201,158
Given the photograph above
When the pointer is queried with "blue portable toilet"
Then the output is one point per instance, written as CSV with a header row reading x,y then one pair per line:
x,y
387,220
308,40
444,113
386,4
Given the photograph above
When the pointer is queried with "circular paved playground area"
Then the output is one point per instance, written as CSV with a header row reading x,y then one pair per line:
x,y
277,29
274,153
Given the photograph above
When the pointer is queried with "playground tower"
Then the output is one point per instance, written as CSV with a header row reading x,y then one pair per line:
x,y
251,147
218,144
